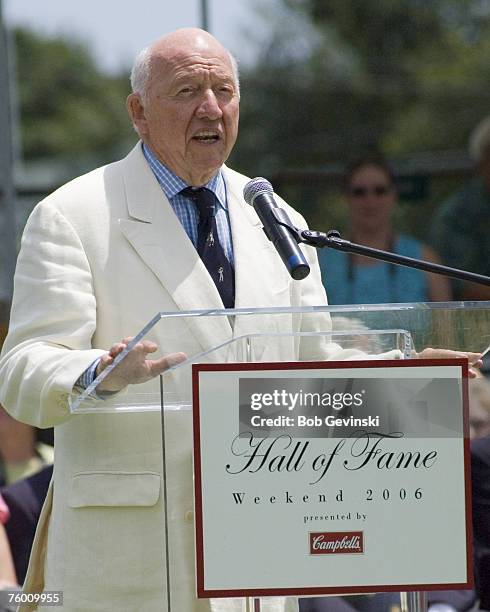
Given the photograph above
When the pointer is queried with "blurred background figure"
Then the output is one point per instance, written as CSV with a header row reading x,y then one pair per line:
x,y
437,601
461,225
22,453
371,197
479,408
7,572
26,457
8,579
480,479
23,501
479,416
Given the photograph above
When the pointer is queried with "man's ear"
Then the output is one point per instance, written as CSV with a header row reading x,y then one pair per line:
x,y
136,111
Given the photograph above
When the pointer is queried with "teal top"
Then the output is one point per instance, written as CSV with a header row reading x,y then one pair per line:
x,y
379,283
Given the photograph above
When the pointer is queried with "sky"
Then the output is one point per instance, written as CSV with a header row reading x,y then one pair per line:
x,y
116,30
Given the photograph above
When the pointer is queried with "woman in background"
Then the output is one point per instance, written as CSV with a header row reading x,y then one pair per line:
x,y
353,279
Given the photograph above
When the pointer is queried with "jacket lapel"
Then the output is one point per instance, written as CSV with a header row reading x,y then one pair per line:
x,y
158,237
261,281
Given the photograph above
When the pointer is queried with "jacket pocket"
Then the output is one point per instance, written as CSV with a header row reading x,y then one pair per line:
x,y
114,489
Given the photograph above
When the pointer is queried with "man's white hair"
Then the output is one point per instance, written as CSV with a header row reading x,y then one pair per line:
x,y
140,73
479,141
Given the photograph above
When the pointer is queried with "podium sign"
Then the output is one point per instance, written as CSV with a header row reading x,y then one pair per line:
x,y
331,477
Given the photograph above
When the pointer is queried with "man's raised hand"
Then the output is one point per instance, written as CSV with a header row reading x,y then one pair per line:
x,y
135,367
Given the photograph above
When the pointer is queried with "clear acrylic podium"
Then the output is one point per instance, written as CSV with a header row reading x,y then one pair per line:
x,y
270,335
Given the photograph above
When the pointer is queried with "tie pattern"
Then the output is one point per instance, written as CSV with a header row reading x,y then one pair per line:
x,y
209,247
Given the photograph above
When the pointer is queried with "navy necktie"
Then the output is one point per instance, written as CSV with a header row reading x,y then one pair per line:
x,y
208,245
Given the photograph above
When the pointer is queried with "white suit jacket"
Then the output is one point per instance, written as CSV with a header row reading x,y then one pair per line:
x,y
99,258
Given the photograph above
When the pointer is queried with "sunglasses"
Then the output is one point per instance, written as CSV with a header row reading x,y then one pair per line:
x,y
362,192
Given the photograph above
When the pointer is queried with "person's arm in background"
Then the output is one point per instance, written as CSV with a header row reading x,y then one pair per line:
x,y
472,291
439,287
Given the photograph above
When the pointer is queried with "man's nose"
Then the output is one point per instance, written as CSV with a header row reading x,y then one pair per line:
x,y
209,106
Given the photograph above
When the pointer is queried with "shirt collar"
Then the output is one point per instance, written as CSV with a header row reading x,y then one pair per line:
x,y
172,184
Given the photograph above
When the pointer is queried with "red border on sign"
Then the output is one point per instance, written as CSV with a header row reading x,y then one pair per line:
x,y
202,592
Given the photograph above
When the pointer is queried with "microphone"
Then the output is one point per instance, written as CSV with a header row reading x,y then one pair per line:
x,y
259,193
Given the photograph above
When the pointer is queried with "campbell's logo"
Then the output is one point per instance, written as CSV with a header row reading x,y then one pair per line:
x,y
336,542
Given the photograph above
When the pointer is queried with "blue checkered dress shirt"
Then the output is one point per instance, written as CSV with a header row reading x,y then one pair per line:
x,y
186,209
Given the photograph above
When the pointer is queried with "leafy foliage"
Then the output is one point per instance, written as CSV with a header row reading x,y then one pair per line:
x,y
340,78
401,76
68,108
332,80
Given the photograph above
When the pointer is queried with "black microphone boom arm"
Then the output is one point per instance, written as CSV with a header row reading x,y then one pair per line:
x,y
333,240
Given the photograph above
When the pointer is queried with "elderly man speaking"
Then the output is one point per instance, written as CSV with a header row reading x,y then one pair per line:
x,y
98,258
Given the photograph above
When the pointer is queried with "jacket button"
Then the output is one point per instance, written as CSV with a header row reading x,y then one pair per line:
x,y
189,516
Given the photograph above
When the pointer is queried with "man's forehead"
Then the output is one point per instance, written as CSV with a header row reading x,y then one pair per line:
x,y
190,42
190,58
185,61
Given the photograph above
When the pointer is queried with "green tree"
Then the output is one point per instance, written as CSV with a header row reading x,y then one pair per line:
x,y
69,109
402,76
338,78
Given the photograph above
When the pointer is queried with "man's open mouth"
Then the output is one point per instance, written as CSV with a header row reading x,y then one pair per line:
x,y
207,137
